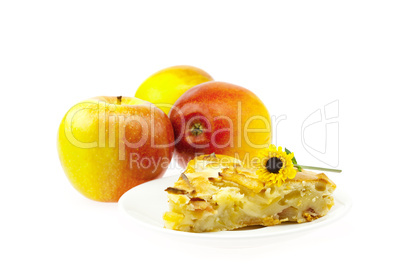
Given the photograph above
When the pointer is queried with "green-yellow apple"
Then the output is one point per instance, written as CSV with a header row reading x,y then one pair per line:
x,y
107,145
164,87
221,118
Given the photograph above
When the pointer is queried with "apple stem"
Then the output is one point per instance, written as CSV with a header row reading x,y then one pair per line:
x,y
119,100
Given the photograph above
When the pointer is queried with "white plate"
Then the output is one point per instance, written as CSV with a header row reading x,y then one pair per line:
x,y
146,203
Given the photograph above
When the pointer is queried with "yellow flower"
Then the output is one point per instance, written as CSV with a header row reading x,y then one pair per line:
x,y
275,166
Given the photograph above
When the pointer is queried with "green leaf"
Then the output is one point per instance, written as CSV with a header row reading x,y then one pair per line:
x,y
294,161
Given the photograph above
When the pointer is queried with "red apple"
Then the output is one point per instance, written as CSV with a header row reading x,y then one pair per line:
x,y
107,145
221,118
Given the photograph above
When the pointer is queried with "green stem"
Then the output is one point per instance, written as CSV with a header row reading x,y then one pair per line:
x,y
319,168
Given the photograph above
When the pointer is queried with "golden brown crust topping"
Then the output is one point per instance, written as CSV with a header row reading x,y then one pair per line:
x,y
173,190
242,179
198,177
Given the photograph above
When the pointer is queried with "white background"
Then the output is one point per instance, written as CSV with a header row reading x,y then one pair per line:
x,y
297,56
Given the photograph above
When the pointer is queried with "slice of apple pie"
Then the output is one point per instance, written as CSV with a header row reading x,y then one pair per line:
x,y
217,193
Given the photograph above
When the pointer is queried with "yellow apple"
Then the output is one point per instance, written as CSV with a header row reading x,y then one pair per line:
x,y
107,145
164,87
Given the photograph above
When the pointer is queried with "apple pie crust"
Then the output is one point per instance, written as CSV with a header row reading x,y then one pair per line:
x,y
217,193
